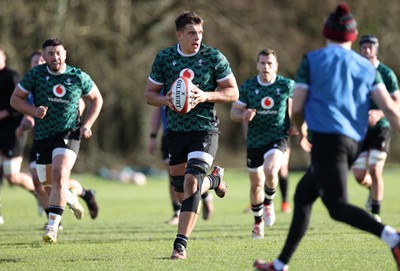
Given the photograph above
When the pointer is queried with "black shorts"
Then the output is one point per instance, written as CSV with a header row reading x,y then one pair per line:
x,y
180,144
10,146
378,139
255,157
164,147
43,149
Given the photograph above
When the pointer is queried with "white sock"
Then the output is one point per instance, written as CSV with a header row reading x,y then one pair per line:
x,y
390,236
278,265
54,220
70,198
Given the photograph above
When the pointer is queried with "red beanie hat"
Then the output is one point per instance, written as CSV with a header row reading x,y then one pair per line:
x,y
341,25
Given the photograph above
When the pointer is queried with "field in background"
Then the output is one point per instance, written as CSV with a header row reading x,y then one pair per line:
x,y
130,233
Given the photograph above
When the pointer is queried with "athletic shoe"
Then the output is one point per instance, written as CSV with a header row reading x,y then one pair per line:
x,y
60,227
269,214
285,207
173,221
368,203
222,188
263,266
76,208
208,207
377,217
1,220
396,253
50,236
179,252
258,230
92,205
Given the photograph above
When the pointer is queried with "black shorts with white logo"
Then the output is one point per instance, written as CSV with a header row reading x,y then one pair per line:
x,y
255,157
43,149
378,139
180,144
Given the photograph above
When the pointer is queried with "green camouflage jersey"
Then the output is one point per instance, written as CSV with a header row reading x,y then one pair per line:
x,y
271,121
205,68
390,80
60,93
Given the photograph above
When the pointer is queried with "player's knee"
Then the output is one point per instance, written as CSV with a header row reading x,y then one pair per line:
x,y
336,214
336,209
192,203
359,175
376,162
177,183
198,168
377,157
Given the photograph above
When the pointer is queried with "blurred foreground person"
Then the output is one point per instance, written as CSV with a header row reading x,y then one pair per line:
x,y
332,94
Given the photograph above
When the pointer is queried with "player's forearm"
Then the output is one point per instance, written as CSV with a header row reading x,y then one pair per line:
x,y
298,121
93,112
22,106
226,95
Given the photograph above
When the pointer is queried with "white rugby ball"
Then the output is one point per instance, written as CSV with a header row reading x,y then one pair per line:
x,y
181,95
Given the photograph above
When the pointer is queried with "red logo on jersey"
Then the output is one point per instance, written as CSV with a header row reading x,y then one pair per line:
x,y
59,90
267,102
188,73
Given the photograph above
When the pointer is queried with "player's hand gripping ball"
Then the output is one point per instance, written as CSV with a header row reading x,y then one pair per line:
x,y
182,96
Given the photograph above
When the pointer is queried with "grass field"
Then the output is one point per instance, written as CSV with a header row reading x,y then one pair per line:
x,y
130,233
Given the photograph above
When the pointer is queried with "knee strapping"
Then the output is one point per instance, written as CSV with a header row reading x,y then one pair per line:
x,y
177,183
192,203
376,156
198,168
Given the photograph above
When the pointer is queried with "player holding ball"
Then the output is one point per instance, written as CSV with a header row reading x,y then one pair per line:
x,y
192,138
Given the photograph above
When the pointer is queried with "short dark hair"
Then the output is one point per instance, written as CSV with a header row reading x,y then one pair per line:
x,y
369,39
51,42
267,52
187,17
35,53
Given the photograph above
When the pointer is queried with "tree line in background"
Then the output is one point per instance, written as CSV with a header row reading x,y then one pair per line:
x,y
116,42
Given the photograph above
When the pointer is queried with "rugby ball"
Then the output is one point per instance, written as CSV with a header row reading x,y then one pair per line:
x,y
181,95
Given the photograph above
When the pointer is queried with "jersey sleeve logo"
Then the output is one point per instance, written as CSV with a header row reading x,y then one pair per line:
x,y
267,103
59,90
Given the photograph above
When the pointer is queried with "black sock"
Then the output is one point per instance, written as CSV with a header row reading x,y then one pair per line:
x,y
269,195
56,209
257,208
177,207
214,181
205,195
283,184
181,239
86,196
375,207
